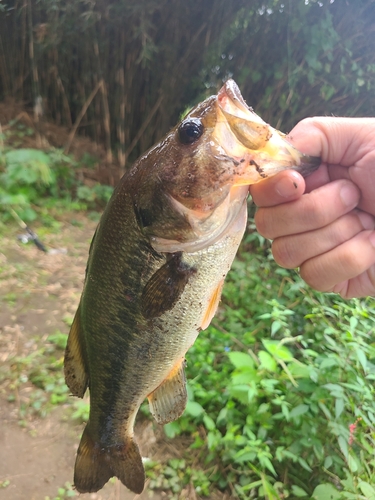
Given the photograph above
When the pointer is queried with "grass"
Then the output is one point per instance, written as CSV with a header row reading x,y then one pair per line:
x,y
281,398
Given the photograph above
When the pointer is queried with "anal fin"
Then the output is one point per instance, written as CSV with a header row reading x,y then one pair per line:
x,y
76,376
168,401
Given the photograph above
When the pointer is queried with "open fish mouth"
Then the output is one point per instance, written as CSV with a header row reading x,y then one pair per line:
x,y
264,147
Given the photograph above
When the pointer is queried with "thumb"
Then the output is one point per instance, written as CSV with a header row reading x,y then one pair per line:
x,y
338,141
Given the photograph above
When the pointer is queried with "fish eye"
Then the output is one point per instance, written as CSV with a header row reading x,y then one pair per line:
x,y
190,131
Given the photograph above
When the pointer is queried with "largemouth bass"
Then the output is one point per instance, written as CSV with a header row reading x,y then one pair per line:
x,y
155,272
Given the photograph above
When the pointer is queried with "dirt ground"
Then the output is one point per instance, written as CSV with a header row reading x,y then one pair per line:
x,y
38,292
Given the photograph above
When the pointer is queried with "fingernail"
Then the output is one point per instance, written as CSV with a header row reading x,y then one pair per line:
x,y
287,185
349,195
366,219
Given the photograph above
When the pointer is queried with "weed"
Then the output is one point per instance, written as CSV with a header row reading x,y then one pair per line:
x,y
175,476
42,370
33,181
10,298
281,397
277,383
80,410
64,493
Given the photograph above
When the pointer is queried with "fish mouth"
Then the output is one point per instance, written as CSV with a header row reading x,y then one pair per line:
x,y
254,140
231,101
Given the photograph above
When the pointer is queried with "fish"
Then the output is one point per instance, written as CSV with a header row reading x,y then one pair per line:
x,y
155,272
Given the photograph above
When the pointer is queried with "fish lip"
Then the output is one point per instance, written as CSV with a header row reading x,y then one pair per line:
x,y
232,106
231,91
308,165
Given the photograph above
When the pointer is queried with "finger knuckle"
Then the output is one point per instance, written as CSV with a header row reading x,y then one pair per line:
x,y
285,253
311,274
315,212
353,262
263,223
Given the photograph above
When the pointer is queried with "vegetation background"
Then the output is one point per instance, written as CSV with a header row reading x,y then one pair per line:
x,y
281,385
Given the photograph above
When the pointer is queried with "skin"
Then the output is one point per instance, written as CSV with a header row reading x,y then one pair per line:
x,y
325,224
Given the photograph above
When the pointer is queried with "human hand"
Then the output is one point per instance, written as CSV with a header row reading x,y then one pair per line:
x,y
328,232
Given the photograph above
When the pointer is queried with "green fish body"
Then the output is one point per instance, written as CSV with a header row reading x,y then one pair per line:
x,y
155,273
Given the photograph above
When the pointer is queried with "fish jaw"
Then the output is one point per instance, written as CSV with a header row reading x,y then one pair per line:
x,y
259,150
207,228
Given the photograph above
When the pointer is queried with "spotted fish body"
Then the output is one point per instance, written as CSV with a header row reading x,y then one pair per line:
x,y
155,272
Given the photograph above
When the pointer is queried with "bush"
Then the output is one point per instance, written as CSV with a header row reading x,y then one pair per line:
x,y
281,387
29,176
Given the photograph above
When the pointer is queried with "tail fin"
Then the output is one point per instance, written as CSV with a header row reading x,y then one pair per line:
x,y
95,465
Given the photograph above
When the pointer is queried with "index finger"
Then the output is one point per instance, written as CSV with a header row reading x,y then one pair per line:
x,y
286,186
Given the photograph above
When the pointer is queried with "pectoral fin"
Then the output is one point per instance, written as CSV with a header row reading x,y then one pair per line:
x,y
165,287
76,376
168,401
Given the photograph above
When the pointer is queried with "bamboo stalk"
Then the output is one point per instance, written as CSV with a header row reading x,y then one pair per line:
x,y
80,116
3,69
66,107
21,73
34,69
121,120
144,126
106,118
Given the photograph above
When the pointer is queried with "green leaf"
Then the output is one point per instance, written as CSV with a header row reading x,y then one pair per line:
x,y
367,490
267,361
278,350
300,370
362,358
328,462
304,464
247,456
339,407
29,166
343,446
299,410
275,327
266,462
252,485
333,387
172,429
326,492
328,363
298,492
194,409
353,323
352,464
209,423
241,359
263,408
